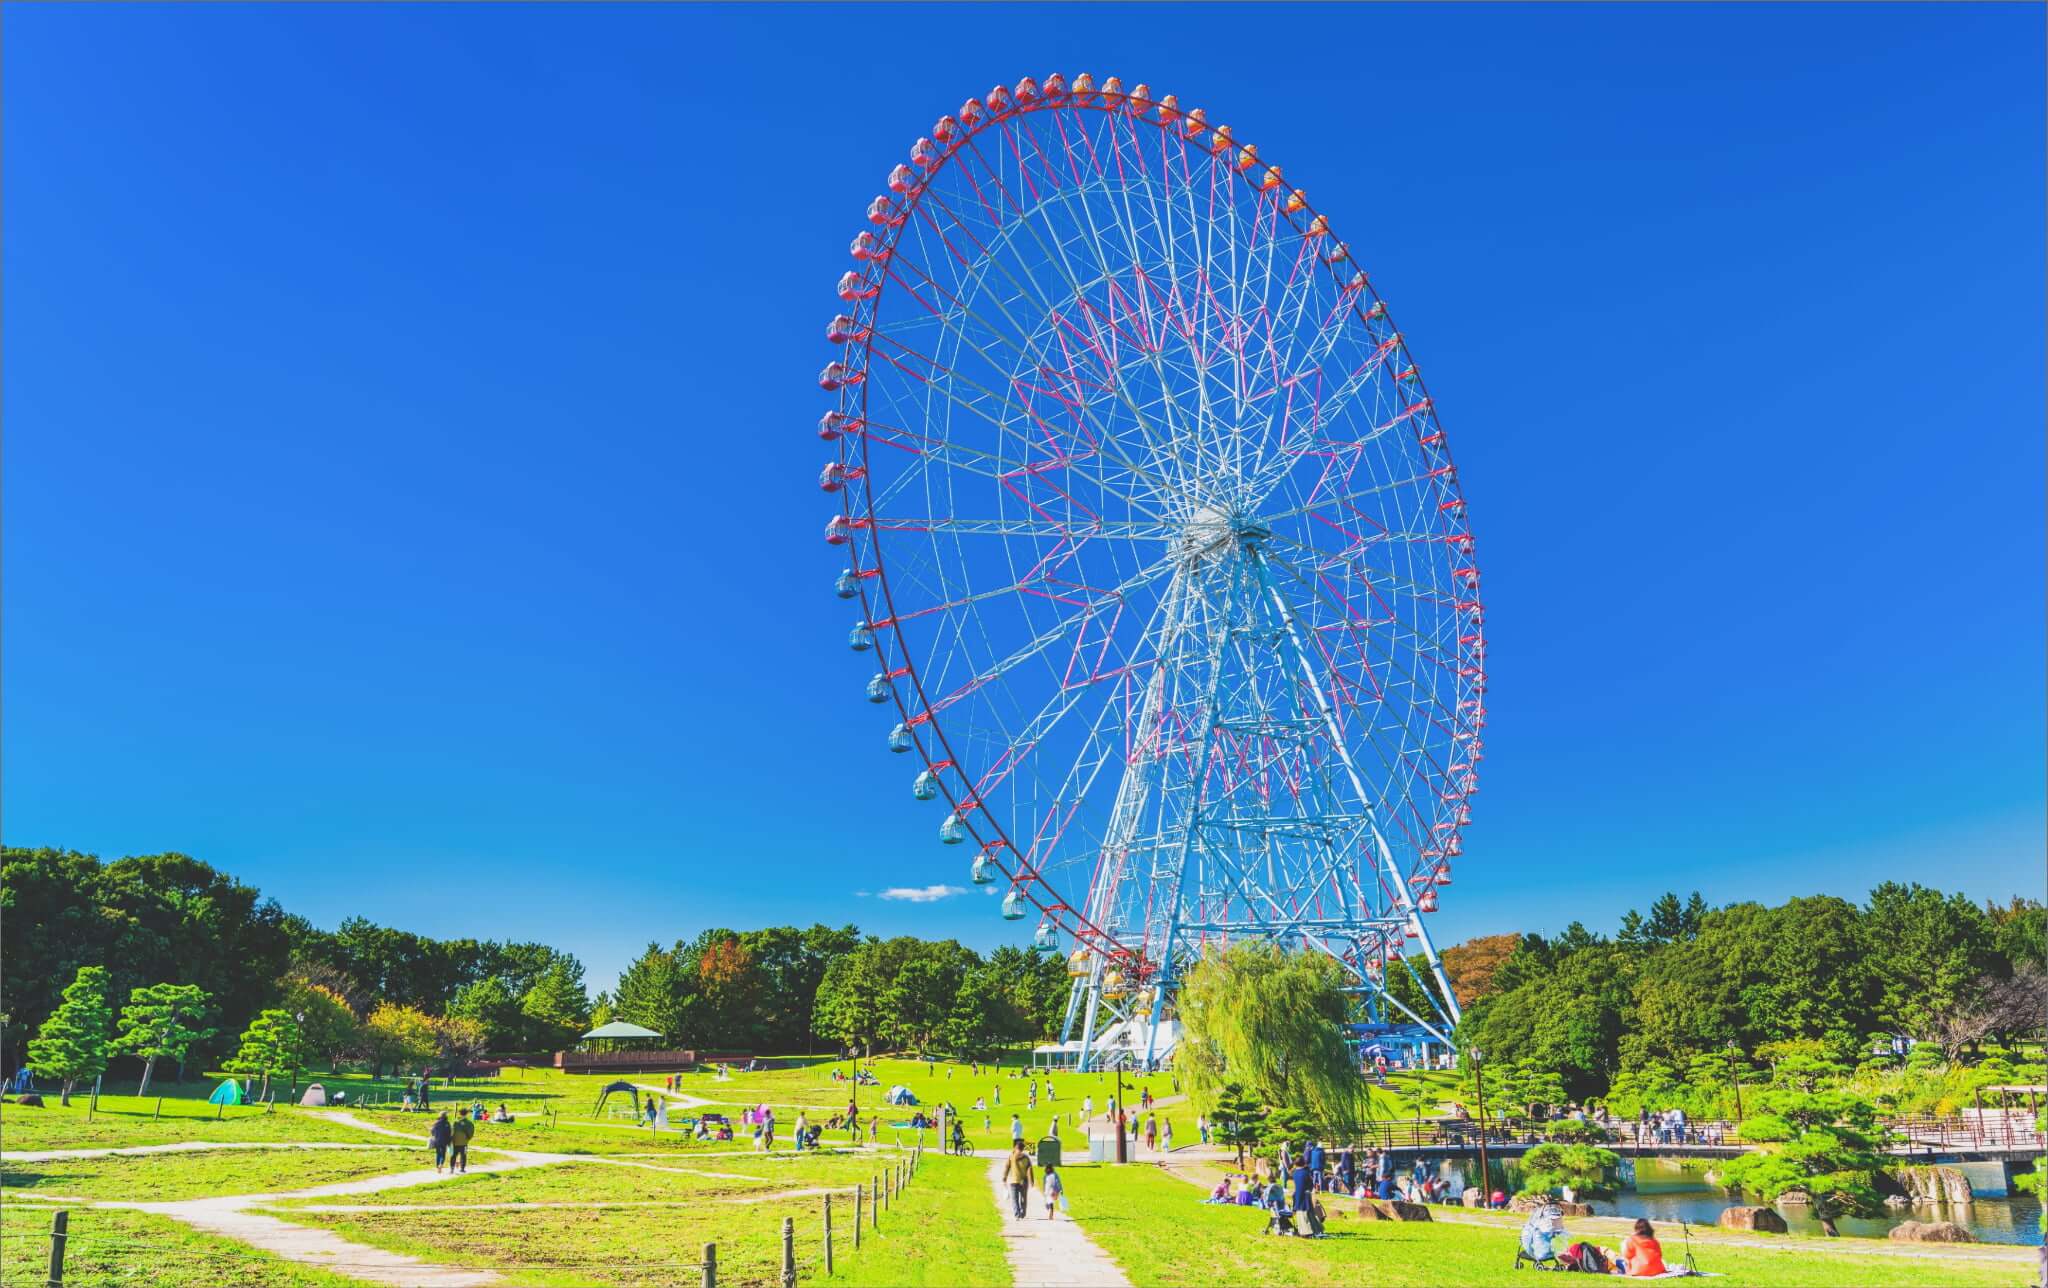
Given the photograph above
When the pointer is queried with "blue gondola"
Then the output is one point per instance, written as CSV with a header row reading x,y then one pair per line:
x,y
899,738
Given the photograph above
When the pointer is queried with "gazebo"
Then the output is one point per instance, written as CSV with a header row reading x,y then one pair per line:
x,y
618,1030
620,1047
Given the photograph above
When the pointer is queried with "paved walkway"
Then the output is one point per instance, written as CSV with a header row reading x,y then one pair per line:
x,y
1049,1254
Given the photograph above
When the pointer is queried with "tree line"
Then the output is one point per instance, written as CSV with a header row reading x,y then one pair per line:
x,y
202,968
781,989
1687,983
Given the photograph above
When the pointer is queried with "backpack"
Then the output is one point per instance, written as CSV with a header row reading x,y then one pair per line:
x,y
1587,1258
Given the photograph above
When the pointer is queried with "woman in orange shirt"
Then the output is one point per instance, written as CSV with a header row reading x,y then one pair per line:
x,y
1641,1252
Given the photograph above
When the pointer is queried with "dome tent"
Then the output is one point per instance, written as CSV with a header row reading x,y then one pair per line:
x,y
316,1096
229,1092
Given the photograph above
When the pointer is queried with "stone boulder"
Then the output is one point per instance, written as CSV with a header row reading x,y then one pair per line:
x,y
1473,1197
1763,1220
1931,1232
1393,1210
1534,1202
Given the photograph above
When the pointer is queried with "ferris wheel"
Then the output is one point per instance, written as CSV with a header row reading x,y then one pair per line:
x,y
1157,548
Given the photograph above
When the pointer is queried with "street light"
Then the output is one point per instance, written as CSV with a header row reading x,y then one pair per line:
x,y
1122,1144
1479,1083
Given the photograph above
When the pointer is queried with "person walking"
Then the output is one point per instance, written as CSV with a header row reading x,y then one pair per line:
x,y
1055,1190
1016,1132
1152,1132
458,1141
1017,1175
439,1136
803,1124
1166,1136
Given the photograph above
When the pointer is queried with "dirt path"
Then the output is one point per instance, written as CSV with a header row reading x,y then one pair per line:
x,y
343,1116
530,1205
312,1246
232,1218
1045,1253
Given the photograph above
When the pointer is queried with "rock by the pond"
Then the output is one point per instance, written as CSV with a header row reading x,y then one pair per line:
x,y
1897,1202
1933,1184
1931,1232
1535,1202
1761,1219
1473,1197
1392,1210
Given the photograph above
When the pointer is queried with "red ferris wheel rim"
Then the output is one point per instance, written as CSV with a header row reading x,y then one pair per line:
x,y
991,838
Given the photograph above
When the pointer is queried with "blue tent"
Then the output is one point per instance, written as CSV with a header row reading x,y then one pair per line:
x,y
227,1093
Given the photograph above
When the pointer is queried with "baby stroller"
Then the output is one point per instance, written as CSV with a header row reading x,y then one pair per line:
x,y
1537,1245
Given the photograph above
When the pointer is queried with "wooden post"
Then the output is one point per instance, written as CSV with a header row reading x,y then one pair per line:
x,y
789,1252
710,1265
828,1235
159,1109
859,1194
59,1225
875,1202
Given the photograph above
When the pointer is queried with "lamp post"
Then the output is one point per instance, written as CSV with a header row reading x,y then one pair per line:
x,y
1479,1084
1122,1144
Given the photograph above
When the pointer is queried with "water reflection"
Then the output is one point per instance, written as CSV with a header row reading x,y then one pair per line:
x,y
1666,1192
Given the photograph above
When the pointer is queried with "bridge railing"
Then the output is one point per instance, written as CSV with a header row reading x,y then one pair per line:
x,y
1991,1130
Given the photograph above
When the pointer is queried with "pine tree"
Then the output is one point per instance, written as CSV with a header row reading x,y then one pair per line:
x,y
162,1021
1239,1117
269,1045
72,1044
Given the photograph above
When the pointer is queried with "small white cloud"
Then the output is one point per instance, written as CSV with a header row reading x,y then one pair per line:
x,y
921,894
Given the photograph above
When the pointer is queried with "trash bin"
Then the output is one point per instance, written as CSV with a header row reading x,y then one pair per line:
x,y
1048,1151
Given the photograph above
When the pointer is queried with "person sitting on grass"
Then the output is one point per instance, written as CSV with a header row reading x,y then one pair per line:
x,y
1222,1193
503,1115
1278,1217
1641,1252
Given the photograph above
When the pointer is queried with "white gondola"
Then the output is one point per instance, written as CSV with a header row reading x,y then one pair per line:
x,y
953,830
983,872
899,738
1014,906
878,688
925,786
860,639
1046,936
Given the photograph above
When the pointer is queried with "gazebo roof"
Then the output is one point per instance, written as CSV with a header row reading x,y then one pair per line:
x,y
621,1029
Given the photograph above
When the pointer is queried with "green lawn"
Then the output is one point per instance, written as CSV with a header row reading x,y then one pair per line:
x,y
640,1246
162,1177
943,1230
627,1181
109,1248
1156,1228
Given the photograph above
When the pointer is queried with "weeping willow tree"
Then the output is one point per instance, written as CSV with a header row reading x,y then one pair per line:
x,y
1272,1021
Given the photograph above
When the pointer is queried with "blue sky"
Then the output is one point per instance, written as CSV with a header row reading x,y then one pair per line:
x,y
409,492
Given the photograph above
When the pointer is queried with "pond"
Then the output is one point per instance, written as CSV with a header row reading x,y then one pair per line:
x,y
1667,1191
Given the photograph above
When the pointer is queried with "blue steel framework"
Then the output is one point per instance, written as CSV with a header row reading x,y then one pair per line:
x,y
1158,548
